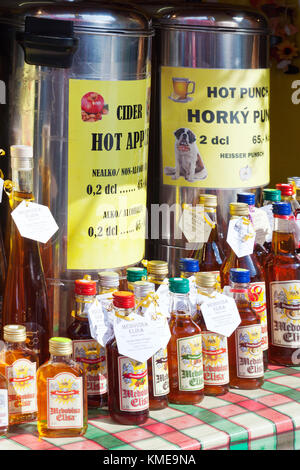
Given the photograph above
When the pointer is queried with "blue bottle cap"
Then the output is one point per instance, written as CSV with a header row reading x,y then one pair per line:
x,y
282,208
240,275
189,265
246,198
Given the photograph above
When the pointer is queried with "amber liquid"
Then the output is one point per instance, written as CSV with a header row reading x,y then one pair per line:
x,y
25,297
282,264
122,417
80,330
211,255
3,268
248,317
181,326
3,386
155,403
8,358
48,371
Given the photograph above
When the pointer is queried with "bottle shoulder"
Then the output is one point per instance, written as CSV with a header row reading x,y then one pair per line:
x,y
50,369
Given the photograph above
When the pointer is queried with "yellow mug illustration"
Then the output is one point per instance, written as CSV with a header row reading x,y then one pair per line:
x,y
181,87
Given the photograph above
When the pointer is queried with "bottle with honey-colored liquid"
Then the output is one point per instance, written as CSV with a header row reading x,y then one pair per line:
x,y
158,372
282,270
62,397
128,393
184,348
25,300
19,365
246,368
86,350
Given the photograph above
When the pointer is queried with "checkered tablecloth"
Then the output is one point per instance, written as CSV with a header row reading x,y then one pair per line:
x,y
268,418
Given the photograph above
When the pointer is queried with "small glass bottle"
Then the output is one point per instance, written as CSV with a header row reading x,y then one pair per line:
x,y
214,345
19,365
135,274
288,194
184,348
157,272
109,282
246,367
158,372
3,405
128,394
282,270
188,267
211,254
86,350
62,397
270,196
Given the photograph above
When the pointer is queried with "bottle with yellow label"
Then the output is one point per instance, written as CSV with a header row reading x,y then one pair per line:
x,y
109,282
19,365
62,394
157,272
184,348
214,345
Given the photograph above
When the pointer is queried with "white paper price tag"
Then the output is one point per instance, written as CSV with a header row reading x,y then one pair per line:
x,y
241,236
269,212
195,224
101,324
34,221
221,315
261,225
163,294
140,338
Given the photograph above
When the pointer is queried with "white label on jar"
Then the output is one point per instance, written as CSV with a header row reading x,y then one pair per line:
x,y
285,313
64,401
160,373
190,363
133,385
249,355
3,408
257,296
22,390
92,358
215,359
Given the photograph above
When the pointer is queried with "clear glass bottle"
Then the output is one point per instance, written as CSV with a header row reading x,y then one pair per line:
x,y
19,365
25,299
157,272
211,254
62,395
214,345
135,274
257,280
3,405
282,270
184,348
246,368
188,267
109,282
128,394
86,350
158,371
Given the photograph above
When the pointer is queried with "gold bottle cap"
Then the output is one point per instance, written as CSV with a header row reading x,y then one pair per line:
x,y
14,333
238,208
158,267
60,346
208,200
206,279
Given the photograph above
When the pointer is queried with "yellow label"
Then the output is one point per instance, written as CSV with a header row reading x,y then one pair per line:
x,y
215,127
107,171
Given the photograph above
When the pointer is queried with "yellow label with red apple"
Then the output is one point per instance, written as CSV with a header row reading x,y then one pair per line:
x,y
215,127
107,172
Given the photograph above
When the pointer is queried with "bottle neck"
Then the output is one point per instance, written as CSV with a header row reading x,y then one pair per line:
x,y
10,345
180,304
207,291
82,304
66,358
283,241
108,290
127,313
212,212
239,290
23,180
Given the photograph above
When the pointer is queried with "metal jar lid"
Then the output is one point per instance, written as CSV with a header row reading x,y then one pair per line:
x,y
224,17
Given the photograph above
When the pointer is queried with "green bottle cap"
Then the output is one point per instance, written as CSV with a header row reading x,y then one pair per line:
x,y
136,274
273,195
179,285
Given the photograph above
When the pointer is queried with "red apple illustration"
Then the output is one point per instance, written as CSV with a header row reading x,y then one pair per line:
x,y
92,107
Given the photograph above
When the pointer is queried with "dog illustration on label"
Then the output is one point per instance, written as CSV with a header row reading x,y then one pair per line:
x,y
93,107
181,90
188,162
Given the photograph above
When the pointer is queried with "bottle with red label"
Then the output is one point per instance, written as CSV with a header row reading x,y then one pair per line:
x,y
19,365
282,270
128,393
214,345
246,368
257,282
184,348
3,405
86,350
62,395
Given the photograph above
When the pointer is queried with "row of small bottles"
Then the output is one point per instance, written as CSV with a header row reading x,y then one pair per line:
x,y
195,363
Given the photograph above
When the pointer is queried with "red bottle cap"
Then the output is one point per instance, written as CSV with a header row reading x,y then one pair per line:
x,y
123,299
85,287
286,189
